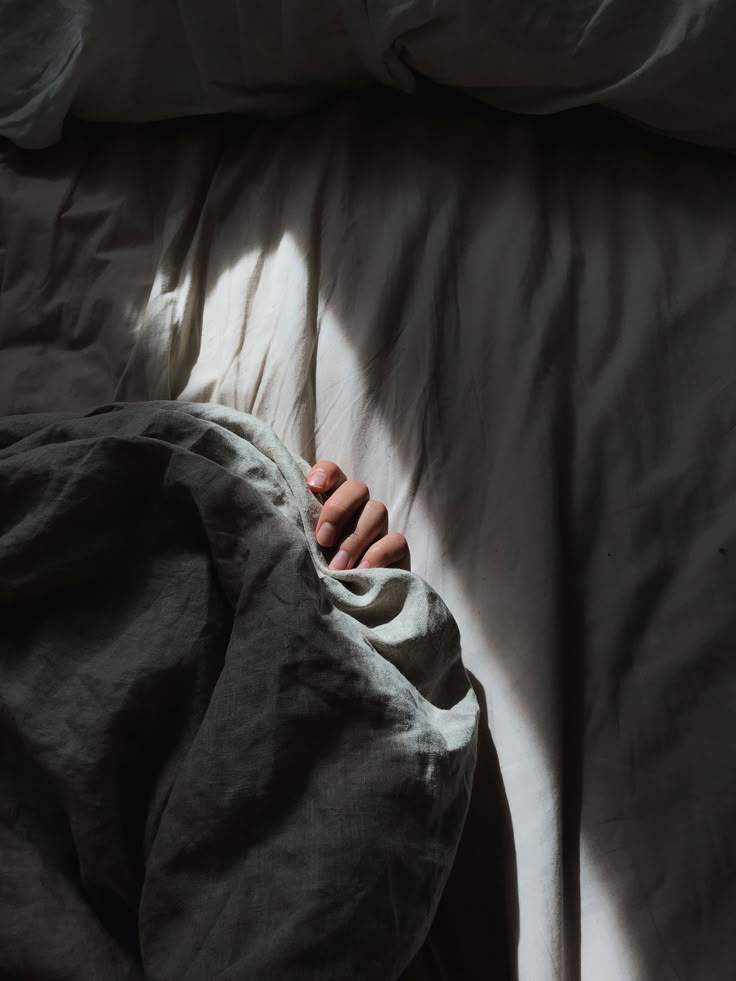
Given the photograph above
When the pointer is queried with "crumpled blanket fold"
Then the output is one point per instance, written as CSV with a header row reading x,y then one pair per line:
x,y
218,759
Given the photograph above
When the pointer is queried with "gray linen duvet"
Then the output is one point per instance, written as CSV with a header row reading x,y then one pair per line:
x,y
217,759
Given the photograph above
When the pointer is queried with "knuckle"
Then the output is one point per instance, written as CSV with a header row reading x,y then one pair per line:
x,y
351,542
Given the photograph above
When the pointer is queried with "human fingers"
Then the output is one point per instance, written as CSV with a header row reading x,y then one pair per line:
x,y
390,551
325,477
344,504
371,525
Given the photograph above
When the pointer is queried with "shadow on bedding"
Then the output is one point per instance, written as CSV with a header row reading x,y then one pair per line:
x,y
476,928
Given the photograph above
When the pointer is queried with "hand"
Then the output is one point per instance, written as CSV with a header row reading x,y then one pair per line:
x,y
353,526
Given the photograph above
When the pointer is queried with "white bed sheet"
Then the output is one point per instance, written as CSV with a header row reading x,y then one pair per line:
x,y
521,336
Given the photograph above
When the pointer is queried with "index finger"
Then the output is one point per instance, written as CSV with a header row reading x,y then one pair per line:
x,y
325,477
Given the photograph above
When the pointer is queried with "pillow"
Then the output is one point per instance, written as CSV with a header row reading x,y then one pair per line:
x,y
668,65
138,60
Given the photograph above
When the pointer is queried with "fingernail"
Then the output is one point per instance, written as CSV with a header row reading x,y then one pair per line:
x,y
318,480
364,565
340,561
326,534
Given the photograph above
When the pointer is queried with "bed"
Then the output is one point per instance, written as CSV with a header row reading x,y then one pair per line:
x,y
519,330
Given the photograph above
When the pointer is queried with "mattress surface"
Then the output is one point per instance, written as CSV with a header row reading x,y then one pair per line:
x,y
520,334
